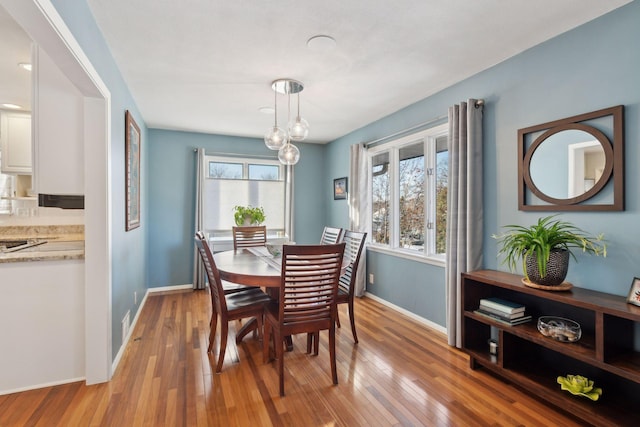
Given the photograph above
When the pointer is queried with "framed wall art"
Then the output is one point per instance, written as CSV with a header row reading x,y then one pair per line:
x,y
634,292
132,178
340,188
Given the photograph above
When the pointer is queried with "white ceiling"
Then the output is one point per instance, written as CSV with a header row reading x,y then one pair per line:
x,y
207,65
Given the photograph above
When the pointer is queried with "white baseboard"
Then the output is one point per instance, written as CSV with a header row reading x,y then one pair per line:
x,y
426,322
43,385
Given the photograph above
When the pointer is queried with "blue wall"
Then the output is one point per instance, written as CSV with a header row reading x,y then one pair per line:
x,y
591,67
172,197
128,248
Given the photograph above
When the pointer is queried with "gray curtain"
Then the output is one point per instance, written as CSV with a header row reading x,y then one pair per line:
x,y
198,269
464,211
358,198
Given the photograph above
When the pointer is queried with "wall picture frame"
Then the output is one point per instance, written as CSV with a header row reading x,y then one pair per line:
x,y
132,172
634,292
340,188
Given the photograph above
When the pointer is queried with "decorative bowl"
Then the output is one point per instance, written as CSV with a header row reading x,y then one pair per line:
x,y
559,328
274,249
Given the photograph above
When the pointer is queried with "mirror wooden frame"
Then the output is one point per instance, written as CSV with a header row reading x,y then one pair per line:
x,y
613,170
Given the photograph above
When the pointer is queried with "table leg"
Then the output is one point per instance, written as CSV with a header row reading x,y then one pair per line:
x,y
250,326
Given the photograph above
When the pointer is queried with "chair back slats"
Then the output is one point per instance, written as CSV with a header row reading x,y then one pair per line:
x,y
213,275
244,237
331,235
309,282
354,242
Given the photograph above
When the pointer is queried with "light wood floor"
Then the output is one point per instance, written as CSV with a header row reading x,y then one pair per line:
x,y
401,374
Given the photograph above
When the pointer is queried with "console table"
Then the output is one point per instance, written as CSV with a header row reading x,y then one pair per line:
x,y
607,353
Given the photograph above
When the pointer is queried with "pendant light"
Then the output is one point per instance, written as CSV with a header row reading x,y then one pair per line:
x,y
299,129
276,137
288,153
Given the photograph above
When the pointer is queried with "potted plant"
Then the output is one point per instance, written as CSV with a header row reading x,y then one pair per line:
x,y
248,215
545,248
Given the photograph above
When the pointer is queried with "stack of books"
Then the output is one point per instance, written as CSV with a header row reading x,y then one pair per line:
x,y
503,311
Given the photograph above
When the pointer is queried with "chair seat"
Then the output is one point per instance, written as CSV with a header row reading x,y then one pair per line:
x,y
230,288
240,301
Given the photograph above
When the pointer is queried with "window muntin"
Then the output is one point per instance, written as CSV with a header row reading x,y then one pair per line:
x,y
409,181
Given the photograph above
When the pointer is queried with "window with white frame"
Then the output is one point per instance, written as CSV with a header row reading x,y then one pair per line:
x,y
409,180
232,181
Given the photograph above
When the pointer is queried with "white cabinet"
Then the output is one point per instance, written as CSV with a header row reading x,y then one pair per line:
x,y
15,136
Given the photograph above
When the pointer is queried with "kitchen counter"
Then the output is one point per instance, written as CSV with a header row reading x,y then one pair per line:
x,y
61,242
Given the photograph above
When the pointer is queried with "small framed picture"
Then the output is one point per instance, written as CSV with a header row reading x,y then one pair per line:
x,y
340,188
634,292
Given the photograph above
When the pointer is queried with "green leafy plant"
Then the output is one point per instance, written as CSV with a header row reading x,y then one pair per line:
x,y
255,215
538,240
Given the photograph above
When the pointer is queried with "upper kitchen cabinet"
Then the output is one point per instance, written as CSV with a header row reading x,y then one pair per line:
x,y
15,138
58,114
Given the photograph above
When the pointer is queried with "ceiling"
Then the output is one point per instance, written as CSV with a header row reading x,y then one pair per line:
x,y
207,65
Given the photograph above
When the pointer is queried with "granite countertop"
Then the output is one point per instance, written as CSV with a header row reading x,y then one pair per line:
x,y
61,242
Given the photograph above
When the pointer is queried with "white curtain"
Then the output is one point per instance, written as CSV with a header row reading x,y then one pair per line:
x,y
198,268
464,211
358,200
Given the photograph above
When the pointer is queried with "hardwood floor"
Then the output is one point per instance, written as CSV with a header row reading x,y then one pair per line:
x,y
400,374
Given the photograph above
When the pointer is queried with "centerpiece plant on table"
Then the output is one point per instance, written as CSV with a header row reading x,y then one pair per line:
x,y
544,248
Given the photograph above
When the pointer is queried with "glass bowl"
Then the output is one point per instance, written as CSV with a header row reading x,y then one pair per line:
x,y
559,328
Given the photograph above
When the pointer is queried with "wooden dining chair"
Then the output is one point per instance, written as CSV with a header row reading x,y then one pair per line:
x,y
227,287
331,235
354,242
244,237
306,301
239,305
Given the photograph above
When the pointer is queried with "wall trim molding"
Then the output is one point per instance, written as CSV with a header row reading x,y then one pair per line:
x,y
413,316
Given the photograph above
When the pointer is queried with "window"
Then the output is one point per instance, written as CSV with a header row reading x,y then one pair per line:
x,y
409,178
235,181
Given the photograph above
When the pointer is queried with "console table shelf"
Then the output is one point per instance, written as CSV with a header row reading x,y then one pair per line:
x,y
607,352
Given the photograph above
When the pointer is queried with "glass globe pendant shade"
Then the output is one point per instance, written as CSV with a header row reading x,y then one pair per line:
x,y
299,129
289,154
275,138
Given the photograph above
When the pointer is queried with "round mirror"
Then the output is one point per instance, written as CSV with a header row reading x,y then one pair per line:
x,y
568,164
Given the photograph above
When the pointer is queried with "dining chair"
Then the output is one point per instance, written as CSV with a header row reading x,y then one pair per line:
x,y
227,287
306,301
331,235
244,237
354,242
228,307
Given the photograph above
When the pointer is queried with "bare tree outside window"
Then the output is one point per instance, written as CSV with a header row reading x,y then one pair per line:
x,y
381,194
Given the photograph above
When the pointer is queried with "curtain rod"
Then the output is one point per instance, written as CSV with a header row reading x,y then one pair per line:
x,y
195,150
479,103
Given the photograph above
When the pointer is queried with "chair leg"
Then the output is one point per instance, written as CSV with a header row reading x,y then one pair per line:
x,y
279,345
213,324
316,342
224,332
266,340
332,353
353,321
309,341
337,318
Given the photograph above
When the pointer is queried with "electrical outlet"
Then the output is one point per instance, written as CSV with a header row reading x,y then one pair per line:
x,y
371,278
135,297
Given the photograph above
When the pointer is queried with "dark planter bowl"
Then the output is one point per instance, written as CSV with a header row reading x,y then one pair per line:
x,y
557,268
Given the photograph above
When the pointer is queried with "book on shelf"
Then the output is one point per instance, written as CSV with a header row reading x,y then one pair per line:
x,y
505,316
498,319
503,305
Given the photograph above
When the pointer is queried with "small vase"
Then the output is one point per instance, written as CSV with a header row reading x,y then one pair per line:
x,y
557,268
